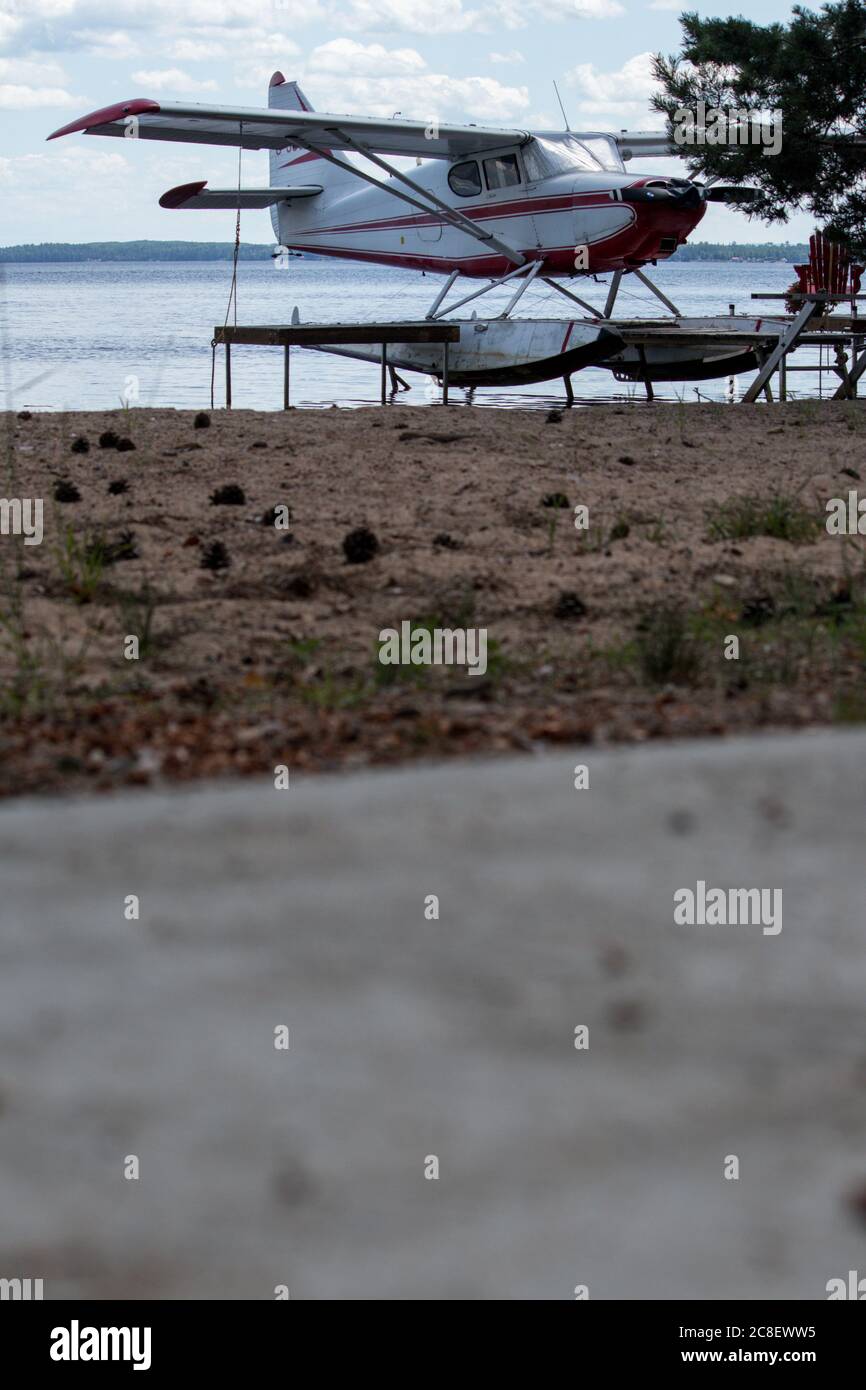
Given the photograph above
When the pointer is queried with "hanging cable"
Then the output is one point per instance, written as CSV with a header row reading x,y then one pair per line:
x,y
233,291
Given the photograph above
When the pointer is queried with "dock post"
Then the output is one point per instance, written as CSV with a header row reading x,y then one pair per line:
x,y
445,373
858,366
645,377
787,342
228,375
384,372
286,351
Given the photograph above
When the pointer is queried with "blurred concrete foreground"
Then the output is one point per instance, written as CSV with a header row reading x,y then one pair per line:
x,y
454,1038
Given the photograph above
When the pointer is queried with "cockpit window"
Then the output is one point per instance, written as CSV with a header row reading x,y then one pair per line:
x,y
502,171
605,150
548,155
464,179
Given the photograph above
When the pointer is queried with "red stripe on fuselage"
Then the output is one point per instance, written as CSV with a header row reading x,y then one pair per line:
x,y
478,212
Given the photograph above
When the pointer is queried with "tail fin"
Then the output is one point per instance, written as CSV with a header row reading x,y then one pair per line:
x,y
295,165
292,165
286,96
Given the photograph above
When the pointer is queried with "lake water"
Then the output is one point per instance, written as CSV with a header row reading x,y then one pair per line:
x,y
79,336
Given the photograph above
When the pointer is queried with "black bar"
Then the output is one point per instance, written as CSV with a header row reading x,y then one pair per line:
x,y
213,1337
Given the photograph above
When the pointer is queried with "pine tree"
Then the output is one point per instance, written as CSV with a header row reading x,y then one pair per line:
x,y
813,71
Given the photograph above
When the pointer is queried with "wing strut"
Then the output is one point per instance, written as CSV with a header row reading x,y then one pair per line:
x,y
450,215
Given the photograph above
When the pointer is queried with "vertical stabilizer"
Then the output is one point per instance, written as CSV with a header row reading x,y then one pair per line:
x,y
295,164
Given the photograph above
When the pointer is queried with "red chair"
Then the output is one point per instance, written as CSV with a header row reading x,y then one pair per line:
x,y
830,269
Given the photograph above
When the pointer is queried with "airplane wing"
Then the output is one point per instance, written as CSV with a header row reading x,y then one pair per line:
x,y
257,128
655,144
198,195
646,144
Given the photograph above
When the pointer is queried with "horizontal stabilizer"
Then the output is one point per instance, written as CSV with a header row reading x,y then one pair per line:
x,y
198,195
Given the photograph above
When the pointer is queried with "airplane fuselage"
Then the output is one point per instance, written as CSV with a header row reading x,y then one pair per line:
x,y
545,219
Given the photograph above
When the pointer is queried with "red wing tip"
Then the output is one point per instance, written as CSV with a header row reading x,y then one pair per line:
x,y
119,112
277,80
176,197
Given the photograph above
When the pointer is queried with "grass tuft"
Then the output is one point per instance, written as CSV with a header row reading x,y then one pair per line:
x,y
781,516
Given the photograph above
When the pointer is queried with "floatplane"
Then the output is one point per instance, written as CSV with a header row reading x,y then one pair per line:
x,y
510,207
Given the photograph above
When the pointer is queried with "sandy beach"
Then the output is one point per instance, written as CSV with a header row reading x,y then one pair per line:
x,y
258,643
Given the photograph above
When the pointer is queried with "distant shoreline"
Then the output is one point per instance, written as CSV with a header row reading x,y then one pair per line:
x,y
47,253
51,252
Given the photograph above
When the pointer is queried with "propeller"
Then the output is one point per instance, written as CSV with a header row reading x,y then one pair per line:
x,y
729,193
683,193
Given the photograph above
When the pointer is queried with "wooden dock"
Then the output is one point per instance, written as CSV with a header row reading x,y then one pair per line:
x,y
773,343
292,335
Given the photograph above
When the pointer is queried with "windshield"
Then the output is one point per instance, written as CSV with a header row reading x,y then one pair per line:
x,y
547,155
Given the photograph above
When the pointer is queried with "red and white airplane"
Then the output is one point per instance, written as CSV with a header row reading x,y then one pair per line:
x,y
481,200
478,202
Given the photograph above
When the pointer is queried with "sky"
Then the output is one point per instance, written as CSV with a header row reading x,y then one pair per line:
x,y
490,61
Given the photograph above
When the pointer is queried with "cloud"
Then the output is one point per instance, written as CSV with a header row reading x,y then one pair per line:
x,y
345,57
198,50
544,120
123,187
60,25
173,79
30,70
512,56
204,30
10,25
590,9
518,14
369,79
450,17
115,44
18,98
616,99
410,16
26,84
422,97
65,170
252,43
